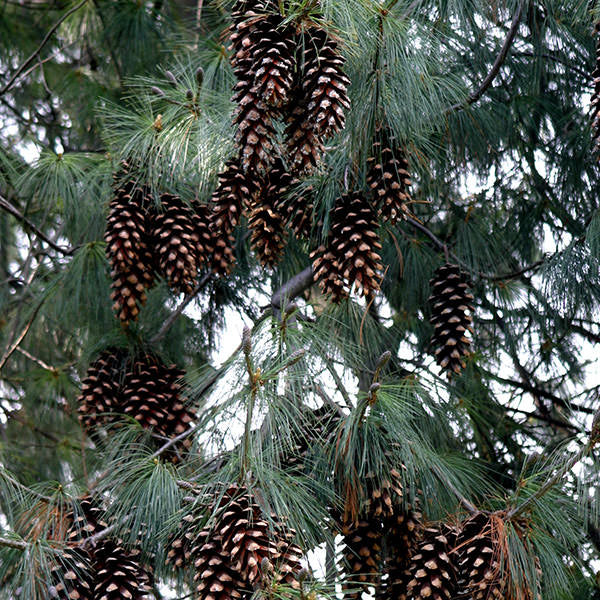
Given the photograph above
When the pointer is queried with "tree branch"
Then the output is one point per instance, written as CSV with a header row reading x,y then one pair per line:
x,y
8,207
175,314
41,46
485,84
18,544
292,288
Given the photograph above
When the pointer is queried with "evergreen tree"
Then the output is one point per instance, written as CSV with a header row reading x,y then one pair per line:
x,y
299,298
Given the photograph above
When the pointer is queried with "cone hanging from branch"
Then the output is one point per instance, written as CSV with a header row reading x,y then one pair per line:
x,y
353,248
128,251
230,555
107,570
266,221
176,243
450,316
388,178
144,389
324,83
432,573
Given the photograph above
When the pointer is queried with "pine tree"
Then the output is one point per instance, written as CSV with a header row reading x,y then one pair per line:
x,y
398,200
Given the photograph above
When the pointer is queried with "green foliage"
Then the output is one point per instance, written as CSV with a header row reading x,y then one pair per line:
x,y
504,183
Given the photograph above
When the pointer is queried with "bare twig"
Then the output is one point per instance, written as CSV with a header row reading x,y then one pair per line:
x,y
468,505
8,207
21,336
36,360
41,46
170,321
174,441
485,84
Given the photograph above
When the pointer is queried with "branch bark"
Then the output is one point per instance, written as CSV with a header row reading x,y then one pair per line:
x,y
485,84
292,288
14,211
10,543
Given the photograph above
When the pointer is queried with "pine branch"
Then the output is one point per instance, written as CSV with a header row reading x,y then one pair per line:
x,y
485,84
9,543
41,46
175,440
292,288
584,451
21,336
8,207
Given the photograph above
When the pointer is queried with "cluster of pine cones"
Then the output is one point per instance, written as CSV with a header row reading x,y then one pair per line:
x,y
240,552
283,75
286,75
143,389
101,570
351,255
144,241
390,548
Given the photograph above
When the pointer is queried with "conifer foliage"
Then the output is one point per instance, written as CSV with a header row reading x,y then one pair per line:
x,y
595,101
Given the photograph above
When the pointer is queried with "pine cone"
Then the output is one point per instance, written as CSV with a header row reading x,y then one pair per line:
x,y
229,557
235,193
119,573
304,146
202,236
355,243
362,554
297,210
432,572
181,544
72,576
328,273
450,302
216,578
479,570
403,532
176,243
388,179
595,102
254,130
148,391
273,59
150,395
107,571
266,221
128,251
100,390
324,83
